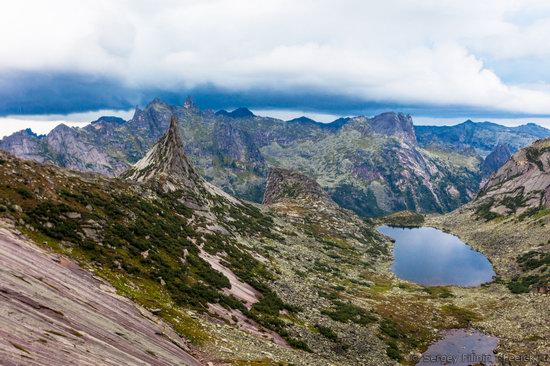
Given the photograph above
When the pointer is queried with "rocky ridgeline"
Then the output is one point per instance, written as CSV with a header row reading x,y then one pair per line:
x,y
296,281
370,165
521,184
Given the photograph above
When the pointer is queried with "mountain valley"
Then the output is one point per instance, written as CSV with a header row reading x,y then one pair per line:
x,y
296,280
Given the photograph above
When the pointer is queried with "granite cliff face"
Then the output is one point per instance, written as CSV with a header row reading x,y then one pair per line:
x,y
393,124
27,145
60,313
370,165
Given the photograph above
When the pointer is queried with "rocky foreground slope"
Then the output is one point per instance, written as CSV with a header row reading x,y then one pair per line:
x,y
53,312
370,165
298,280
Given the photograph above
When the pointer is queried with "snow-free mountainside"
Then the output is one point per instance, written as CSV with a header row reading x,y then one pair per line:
x,y
204,277
372,166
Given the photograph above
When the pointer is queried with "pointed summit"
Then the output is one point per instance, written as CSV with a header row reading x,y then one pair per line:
x,y
166,163
189,103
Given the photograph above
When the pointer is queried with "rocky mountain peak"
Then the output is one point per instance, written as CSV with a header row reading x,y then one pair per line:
x,y
284,184
189,103
166,162
28,132
393,124
25,144
241,112
303,119
109,120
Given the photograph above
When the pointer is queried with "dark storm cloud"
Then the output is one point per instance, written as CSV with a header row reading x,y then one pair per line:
x,y
347,53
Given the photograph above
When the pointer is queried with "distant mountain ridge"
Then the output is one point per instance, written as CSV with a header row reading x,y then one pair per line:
x,y
237,113
370,165
482,136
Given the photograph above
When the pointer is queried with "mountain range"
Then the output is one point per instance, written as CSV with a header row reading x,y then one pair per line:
x,y
202,277
372,166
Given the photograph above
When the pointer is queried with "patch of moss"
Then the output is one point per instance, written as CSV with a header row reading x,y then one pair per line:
x,y
404,219
393,351
462,316
519,285
438,291
483,211
298,344
347,312
533,260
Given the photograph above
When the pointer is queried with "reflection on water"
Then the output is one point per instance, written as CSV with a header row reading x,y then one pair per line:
x,y
461,347
431,257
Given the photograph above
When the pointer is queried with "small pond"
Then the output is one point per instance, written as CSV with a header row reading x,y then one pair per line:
x,y
431,257
461,347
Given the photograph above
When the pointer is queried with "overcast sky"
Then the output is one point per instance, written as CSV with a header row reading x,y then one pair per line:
x,y
431,57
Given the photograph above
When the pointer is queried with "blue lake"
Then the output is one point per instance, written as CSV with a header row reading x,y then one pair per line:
x,y
431,257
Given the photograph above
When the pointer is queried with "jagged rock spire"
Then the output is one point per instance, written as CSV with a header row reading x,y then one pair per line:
x,y
166,162
189,103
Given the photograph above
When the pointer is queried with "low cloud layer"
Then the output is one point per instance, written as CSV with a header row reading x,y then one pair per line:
x,y
489,55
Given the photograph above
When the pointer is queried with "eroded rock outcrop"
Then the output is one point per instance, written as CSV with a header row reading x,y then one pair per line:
x,y
522,183
285,184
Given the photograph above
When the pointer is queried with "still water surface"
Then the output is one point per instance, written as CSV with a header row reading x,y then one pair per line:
x,y
461,347
431,257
